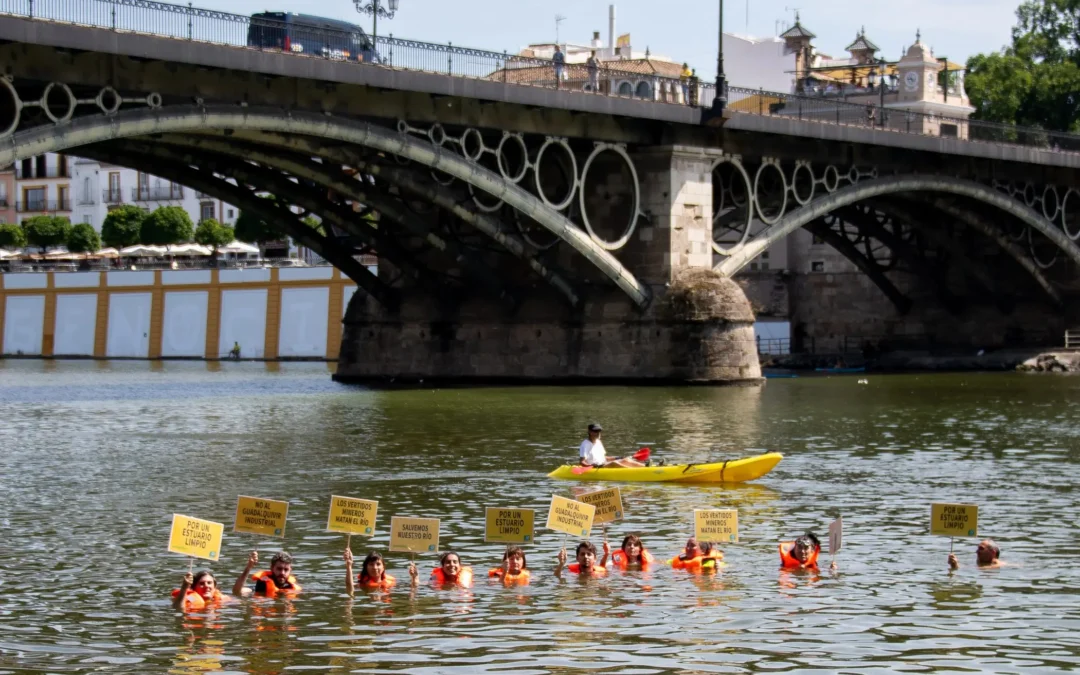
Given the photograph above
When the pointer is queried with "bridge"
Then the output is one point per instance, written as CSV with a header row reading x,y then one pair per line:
x,y
528,229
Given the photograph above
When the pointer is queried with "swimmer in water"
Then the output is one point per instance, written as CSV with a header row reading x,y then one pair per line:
x,y
585,554
987,554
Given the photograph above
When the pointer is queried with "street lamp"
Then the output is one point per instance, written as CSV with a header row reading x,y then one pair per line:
x,y
721,82
376,9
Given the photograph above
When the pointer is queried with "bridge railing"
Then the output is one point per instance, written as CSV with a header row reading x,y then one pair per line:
x,y
181,22
838,111
1072,339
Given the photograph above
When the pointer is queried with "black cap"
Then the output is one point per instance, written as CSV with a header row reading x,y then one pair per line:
x,y
595,427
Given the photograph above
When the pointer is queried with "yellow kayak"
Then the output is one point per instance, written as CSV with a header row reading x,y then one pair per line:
x,y
733,471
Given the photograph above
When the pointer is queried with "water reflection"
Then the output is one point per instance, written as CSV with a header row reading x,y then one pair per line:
x,y
98,455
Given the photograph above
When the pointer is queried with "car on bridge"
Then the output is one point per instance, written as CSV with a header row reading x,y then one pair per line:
x,y
311,35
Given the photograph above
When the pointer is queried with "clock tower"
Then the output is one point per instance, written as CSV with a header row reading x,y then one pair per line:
x,y
918,72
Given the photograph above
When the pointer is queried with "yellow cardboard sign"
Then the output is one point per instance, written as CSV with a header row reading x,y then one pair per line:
x,y
717,525
261,516
569,516
608,504
352,516
954,520
414,535
195,537
509,526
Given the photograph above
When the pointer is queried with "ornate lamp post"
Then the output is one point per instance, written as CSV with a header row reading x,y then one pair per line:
x,y
376,8
721,82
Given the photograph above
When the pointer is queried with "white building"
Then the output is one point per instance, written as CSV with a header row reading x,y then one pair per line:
x,y
43,186
99,188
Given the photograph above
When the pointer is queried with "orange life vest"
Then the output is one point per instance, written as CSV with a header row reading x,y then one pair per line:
x,y
521,577
619,559
699,563
597,571
386,583
192,600
464,577
271,589
791,562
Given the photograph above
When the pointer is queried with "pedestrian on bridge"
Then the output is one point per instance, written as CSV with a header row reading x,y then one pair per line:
x,y
593,66
560,62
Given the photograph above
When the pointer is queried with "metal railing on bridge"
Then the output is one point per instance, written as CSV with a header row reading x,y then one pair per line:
x,y
223,28
1072,339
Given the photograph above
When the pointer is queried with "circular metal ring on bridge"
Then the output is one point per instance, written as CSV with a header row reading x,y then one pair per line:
x,y
795,183
71,102
108,101
479,142
573,169
13,106
830,178
1070,214
1034,253
486,208
437,132
749,211
635,210
402,127
773,219
524,157
1050,196
853,175
154,100
1029,194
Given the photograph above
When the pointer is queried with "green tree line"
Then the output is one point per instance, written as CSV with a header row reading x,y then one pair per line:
x,y
1035,80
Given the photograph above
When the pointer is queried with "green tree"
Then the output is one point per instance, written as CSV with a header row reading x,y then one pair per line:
x,y
12,236
1035,81
167,225
45,231
212,233
83,238
254,230
123,226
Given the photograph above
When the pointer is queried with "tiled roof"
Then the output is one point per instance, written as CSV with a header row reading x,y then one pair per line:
x,y
862,43
797,31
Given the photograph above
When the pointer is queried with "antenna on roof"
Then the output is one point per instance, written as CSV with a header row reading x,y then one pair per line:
x,y
559,18
793,9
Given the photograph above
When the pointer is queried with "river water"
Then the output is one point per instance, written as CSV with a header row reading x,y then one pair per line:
x,y
97,456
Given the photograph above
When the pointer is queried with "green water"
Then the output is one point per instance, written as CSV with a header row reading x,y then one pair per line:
x,y
96,457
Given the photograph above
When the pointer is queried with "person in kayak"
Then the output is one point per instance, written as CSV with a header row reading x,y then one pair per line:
x,y
586,566
449,573
277,579
514,569
198,592
591,452
987,554
631,553
801,554
373,576
698,557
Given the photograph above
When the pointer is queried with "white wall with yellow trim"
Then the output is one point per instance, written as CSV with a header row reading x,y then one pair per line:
x,y
272,313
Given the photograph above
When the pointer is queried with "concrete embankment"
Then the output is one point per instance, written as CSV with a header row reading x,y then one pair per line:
x,y
1025,360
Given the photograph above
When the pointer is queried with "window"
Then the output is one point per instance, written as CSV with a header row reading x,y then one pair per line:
x,y
817,266
206,210
62,166
26,168
765,255
175,191
817,241
626,89
144,186
86,218
3,194
40,167
643,90
764,267
949,130
230,212
113,196
63,201
34,198
87,195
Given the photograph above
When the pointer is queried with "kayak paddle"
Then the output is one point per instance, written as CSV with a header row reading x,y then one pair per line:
x,y
641,455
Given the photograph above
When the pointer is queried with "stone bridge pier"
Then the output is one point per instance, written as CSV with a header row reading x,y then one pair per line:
x,y
682,322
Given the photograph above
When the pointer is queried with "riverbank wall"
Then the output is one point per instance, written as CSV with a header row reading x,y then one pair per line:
x,y
272,313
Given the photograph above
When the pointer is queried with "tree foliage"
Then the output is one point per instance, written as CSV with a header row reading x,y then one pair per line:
x,y
1035,81
45,231
254,230
167,225
123,226
83,238
12,236
212,233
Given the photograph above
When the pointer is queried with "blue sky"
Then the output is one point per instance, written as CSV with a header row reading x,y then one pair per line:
x,y
682,29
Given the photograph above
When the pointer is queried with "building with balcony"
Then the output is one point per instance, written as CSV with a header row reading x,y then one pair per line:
x,y
7,195
42,186
99,188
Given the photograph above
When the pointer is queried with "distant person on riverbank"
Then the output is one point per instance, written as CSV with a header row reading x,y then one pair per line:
x,y
591,451
373,576
585,554
198,592
277,579
449,573
987,554
234,353
631,553
801,554
514,569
